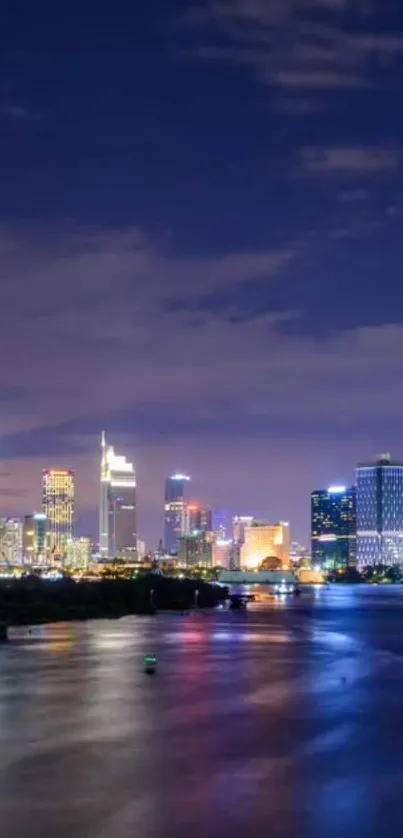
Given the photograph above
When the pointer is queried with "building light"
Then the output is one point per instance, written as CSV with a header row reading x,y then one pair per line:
x,y
336,490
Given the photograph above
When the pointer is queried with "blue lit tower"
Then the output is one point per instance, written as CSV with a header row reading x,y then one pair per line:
x,y
333,527
380,512
175,511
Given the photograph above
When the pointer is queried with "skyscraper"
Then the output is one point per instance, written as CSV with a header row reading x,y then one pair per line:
x,y
117,512
333,527
35,538
380,512
175,511
199,518
11,541
58,504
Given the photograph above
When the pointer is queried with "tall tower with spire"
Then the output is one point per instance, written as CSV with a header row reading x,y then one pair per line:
x,y
117,508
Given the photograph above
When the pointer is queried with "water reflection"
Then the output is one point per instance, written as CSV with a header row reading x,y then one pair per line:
x,y
282,721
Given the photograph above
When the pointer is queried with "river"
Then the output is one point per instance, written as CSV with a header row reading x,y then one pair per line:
x,y
284,721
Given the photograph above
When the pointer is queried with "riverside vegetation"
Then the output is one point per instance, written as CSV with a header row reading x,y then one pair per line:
x,y
32,600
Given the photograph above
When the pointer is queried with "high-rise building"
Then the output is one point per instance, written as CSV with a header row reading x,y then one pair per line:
x,y
11,541
199,518
380,512
175,511
58,504
79,552
333,528
220,523
265,541
222,553
35,547
118,512
239,522
196,549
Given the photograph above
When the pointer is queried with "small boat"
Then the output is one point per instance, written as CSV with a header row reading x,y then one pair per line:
x,y
150,664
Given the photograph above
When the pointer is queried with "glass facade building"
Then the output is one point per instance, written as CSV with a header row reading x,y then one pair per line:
x,y
118,505
175,507
333,528
380,512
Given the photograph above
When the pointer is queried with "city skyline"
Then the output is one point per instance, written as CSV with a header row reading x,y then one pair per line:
x,y
202,277
262,509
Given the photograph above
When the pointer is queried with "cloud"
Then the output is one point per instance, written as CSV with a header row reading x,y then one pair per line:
x,y
300,44
356,160
89,336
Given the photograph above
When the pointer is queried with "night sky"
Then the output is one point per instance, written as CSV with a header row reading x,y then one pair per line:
x,y
201,212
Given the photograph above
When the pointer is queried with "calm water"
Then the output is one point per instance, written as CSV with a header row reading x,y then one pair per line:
x,y
285,721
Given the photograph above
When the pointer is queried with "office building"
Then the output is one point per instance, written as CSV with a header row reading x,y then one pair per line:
x,y
35,546
333,528
222,553
79,553
195,549
10,541
141,549
380,512
118,509
265,541
58,504
199,518
220,523
239,522
175,523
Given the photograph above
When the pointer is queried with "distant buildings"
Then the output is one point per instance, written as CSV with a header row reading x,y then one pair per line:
x,y
58,504
380,512
239,523
265,541
35,540
333,528
196,549
118,509
222,553
79,553
10,541
199,518
175,511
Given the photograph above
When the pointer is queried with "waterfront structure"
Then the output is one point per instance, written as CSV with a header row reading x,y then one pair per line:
x,y
333,528
380,512
11,541
118,508
265,541
79,553
34,539
196,549
58,504
222,553
175,524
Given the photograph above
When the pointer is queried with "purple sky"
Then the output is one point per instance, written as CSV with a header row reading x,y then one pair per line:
x,y
200,247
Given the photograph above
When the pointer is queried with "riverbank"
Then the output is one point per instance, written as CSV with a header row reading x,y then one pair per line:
x,y
31,600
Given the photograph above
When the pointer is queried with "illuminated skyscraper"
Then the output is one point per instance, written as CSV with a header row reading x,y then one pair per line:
x,y
380,512
58,504
117,511
175,511
11,541
199,518
333,528
35,538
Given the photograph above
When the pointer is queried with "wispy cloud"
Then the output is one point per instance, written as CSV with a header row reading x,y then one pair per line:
x,y
299,44
353,160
